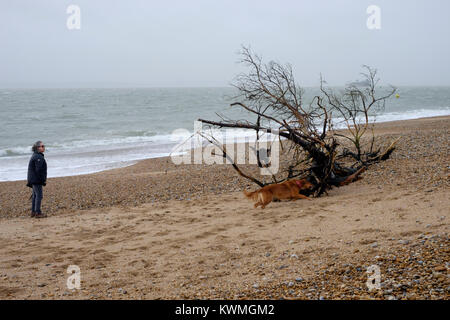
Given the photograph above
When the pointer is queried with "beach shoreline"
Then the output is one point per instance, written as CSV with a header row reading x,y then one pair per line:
x,y
155,230
118,185
110,152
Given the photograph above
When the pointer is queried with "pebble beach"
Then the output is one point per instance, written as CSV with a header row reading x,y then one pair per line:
x,y
156,230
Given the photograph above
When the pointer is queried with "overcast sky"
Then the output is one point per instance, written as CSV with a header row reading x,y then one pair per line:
x,y
195,43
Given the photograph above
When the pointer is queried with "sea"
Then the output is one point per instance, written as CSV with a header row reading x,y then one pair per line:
x,y
91,130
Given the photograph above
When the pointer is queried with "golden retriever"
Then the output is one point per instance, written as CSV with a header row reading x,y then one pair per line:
x,y
286,190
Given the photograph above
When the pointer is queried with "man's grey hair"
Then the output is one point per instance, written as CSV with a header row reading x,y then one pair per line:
x,y
35,146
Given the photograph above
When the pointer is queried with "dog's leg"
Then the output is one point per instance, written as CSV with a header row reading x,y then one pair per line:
x,y
262,201
266,201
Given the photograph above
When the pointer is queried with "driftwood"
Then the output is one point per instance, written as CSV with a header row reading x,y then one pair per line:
x,y
270,93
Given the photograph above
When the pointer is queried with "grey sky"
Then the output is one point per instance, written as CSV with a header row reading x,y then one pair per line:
x,y
194,43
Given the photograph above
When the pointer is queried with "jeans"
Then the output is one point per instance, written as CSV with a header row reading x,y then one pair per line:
x,y
36,198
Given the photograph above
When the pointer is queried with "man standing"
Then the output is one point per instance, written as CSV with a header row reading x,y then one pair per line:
x,y
37,177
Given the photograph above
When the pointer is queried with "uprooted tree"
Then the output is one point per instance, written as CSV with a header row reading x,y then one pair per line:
x,y
318,149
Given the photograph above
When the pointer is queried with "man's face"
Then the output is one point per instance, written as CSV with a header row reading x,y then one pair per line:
x,y
41,148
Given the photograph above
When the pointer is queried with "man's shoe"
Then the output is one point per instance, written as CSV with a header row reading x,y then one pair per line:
x,y
33,214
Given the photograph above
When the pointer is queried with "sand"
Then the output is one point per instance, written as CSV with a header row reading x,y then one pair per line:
x,y
159,231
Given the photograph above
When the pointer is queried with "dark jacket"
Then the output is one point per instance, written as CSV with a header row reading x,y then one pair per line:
x,y
37,170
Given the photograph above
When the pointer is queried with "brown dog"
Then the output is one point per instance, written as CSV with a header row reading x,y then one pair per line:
x,y
286,190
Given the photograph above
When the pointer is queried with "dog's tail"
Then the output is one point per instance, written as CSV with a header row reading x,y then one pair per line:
x,y
250,195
